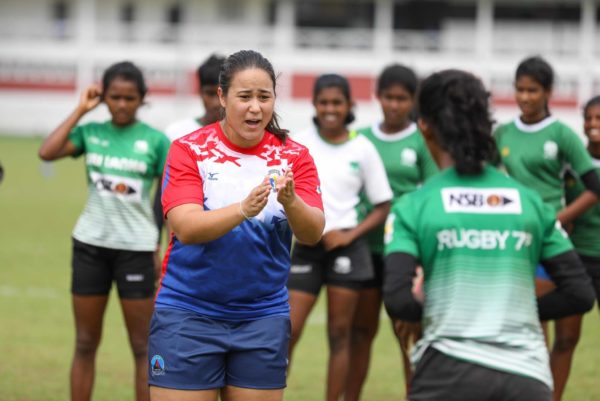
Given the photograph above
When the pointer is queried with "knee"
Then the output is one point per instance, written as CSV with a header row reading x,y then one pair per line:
x,y
86,344
139,347
566,343
362,334
339,338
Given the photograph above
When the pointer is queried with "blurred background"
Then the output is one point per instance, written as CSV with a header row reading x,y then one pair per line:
x,y
50,49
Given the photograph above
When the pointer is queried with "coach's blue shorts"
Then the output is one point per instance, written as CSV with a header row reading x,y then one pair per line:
x,y
541,273
188,351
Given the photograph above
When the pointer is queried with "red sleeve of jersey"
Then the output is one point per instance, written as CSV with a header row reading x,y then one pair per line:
x,y
306,180
182,182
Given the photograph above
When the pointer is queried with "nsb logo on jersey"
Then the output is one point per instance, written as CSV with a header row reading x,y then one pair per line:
x,y
126,189
481,200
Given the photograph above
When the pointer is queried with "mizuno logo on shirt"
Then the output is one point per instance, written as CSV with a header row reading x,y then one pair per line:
x,y
481,200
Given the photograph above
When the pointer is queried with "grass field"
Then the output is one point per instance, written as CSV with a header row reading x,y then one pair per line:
x,y
39,204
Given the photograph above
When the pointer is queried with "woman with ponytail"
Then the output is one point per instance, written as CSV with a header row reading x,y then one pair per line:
x,y
467,227
234,192
535,149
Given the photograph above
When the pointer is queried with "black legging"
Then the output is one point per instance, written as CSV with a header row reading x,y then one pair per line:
x,y
158,210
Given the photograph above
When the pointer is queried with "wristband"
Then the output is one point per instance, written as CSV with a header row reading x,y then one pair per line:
x,y
242,212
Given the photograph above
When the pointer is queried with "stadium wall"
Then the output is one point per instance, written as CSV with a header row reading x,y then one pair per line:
x,y
45,62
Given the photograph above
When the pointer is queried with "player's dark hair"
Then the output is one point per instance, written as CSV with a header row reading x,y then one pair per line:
x,y
540,71
208,71
127,71
455,105
592,102
397,74
243,60
333,81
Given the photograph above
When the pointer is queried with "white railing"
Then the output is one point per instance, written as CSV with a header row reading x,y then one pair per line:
x,y
217,35
455,37
334,38
547,38
51,31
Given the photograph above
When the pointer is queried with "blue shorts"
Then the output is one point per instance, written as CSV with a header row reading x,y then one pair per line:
x,y
541,273
188,351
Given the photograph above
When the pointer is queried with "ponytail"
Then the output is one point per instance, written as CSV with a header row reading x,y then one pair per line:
x,y
455,104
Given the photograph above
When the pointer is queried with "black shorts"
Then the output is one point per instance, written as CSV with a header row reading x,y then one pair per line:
x,y
592,265
313,266
439,377
95,268
377,280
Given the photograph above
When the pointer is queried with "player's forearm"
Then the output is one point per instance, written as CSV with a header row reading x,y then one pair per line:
x,y
372,220
576,208
196,226
574,293
399,270
307,222
157,208
54,146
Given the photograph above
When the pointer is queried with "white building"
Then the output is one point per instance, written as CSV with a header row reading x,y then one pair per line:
x,y
50,49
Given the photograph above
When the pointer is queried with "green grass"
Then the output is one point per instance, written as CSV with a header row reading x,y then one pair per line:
x,y
39,205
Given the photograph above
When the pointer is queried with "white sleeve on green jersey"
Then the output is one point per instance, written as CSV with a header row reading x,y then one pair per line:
x,y
556,240
400,229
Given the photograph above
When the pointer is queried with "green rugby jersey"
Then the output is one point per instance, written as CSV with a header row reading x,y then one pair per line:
x,y
479,239
586,228
536,155
407,163
121,164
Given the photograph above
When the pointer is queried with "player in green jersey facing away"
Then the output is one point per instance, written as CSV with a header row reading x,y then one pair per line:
x,y
586,227
115,236
208,80
407,164
535,149
470,226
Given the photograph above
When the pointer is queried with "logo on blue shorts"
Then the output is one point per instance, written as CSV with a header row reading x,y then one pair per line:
x,y
157,365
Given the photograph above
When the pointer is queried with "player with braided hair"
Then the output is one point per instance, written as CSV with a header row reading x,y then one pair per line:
x,y
467,227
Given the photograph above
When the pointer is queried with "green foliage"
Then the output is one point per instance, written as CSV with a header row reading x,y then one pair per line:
x,y
40,203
